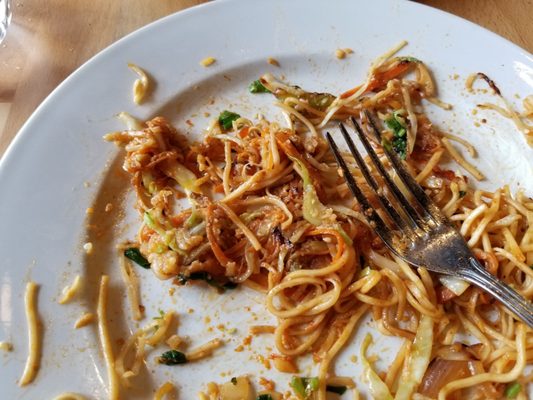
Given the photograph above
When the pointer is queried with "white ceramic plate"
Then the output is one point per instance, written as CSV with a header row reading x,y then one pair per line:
x,y
58,166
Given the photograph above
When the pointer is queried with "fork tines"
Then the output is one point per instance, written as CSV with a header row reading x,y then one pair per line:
x,y
410,220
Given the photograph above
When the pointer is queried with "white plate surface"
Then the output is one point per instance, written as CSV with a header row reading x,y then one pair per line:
x,y
58,166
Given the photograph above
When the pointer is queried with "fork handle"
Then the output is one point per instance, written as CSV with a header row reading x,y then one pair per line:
x,y
509,297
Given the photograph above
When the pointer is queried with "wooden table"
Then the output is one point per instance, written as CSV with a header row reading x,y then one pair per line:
x,y
47,40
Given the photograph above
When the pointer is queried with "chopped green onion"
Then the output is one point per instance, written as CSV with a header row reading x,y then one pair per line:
x,y
234,380
336,389
304,387
173,357
226,118
386,144
399,130
512,390
204,276
264,397
409,59
257,87
134,254
320,101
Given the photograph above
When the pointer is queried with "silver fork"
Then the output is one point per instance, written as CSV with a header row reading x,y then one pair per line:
x,y
423,236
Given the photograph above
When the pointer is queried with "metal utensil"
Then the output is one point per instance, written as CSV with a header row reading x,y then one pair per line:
x,y
420,233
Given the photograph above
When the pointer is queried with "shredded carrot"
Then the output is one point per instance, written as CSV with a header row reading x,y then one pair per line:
x,y
380,79
217,251
332,232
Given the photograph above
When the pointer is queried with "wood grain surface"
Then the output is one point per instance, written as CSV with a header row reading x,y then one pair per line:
x,y
48,40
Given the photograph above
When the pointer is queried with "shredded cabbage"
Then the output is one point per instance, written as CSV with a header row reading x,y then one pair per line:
x,y
418,362
314,211
184,176
456,285
378,388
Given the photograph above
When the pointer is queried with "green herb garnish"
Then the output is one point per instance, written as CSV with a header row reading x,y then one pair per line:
x,y
172,357
512,390
320,101
409,59
134,254
234,380
206,277
304,387
264,397
336,389
226,118
257,87
462,193
399,141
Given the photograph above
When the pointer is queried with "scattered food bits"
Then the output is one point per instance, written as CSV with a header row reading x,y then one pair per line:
x,y
141,85
6,346
206,62
247,340
190,310
86,319
239,348
265,361
267,384
88,247
342,53
273,61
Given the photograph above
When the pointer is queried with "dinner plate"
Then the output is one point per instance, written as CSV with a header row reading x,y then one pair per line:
x,y
58,170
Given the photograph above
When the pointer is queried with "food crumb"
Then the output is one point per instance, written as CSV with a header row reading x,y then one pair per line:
x,y
353,359
87,184
6,346
239,348
108,207
206,62
190,310
86,319
88,247
273,61
474,111
171,291
247,340
207,320
340,54
267,383
206,114
89,210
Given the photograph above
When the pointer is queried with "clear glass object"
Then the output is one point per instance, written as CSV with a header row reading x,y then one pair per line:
x,y
5,18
